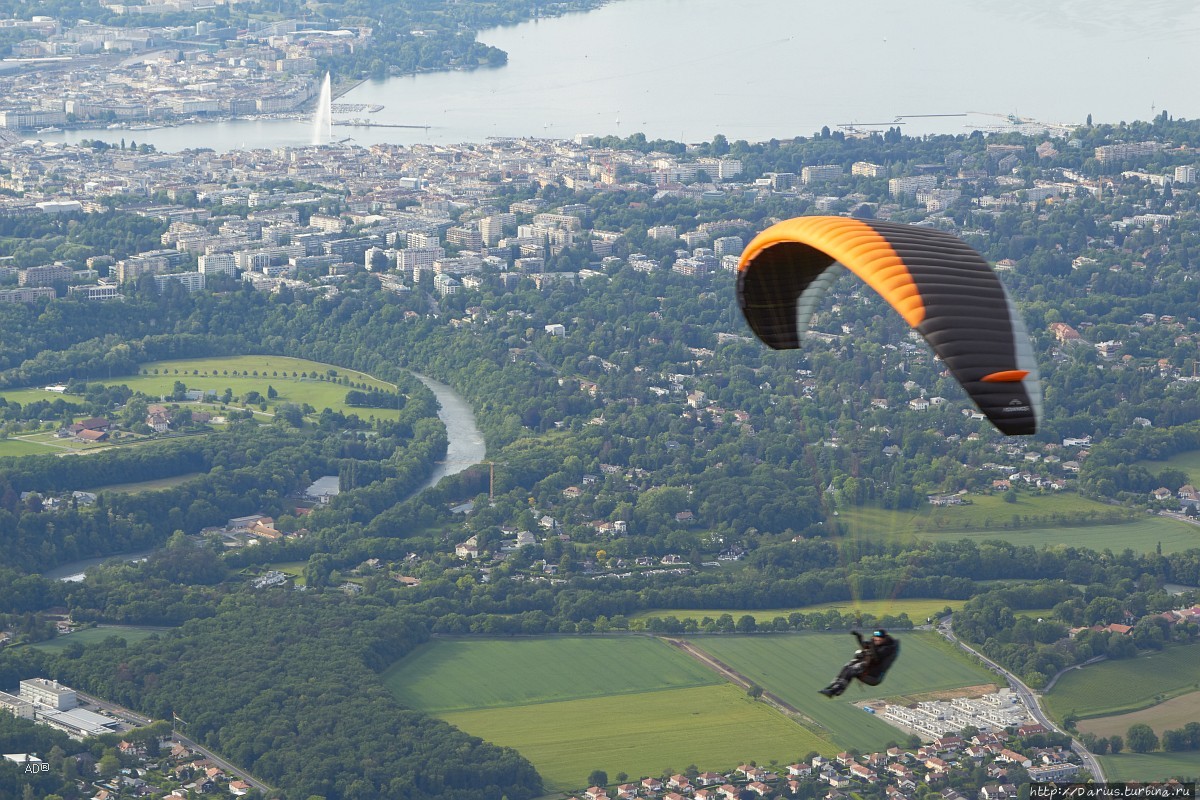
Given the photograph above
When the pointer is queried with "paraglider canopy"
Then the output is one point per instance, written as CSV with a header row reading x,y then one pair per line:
x,y
941,286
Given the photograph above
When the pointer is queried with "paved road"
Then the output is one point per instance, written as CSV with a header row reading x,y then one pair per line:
x,y
140,719
224,765
1090,762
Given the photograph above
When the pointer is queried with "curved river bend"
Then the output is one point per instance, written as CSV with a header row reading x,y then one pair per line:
x,y
466,448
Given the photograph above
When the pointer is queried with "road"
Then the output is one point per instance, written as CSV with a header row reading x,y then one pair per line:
x,y
1090,762
140,719
224,765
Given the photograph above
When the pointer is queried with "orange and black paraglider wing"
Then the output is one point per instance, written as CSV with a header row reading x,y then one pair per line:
x,y
938,283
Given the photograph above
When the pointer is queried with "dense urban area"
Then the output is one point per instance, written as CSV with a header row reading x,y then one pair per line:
x,y
212,373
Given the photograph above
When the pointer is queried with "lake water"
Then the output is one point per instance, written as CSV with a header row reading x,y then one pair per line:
x,y
761,69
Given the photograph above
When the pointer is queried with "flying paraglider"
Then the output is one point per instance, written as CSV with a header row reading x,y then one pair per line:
x,y
941,286
871,662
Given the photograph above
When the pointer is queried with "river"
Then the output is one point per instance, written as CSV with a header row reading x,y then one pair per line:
x,y
465,449
689,69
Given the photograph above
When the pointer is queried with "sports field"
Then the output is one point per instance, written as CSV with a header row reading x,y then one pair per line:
x,y
918,609
217,374
795,666
952,524
89,636
1172,714
1151,766
570,705
1113,687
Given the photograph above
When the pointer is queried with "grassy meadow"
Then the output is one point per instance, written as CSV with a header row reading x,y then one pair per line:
x,y
965,522
89,636
446,674
918,609
1188,462
1114,687
158,378
153,485
1172,714
1128,766
795,666
628,704
21,447
652,733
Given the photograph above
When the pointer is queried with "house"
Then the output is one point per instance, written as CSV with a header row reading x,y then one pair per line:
x,y
1007,756
759,788
1161,493
937,766
653,785
239,788
863,773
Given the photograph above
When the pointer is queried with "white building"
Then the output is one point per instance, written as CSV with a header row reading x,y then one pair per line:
x,y
42,692
218,264
190,281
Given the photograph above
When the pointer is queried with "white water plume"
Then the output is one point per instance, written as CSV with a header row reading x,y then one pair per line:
x,y
323,116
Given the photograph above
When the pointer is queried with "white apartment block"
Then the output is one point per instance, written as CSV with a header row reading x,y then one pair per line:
x,y
42,692
1185,174
26,295
1112,153
663,233
418,257
16,706
95,292
190,281
866,169
327,222
445,285
821,172
218,264
422,240
727,246
908,186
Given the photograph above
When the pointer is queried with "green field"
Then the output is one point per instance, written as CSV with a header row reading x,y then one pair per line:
x,y
1172,714
21,447
795,666
458,674
1188,462
652,733
918,609
214,374
1113,687
149,486
89,636
962,522
1150,766
628,704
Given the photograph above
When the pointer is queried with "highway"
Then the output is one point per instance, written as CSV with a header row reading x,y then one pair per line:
x,y
1090,762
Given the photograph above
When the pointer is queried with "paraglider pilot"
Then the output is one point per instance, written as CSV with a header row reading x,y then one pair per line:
x,y
870,663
